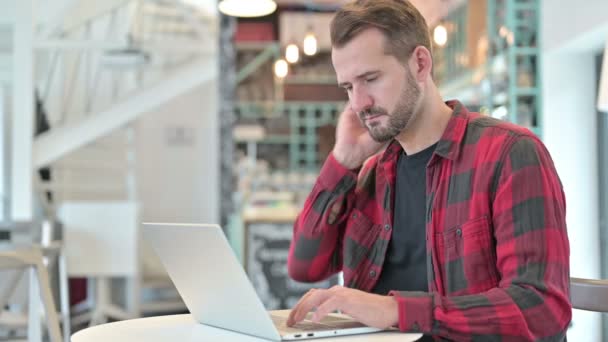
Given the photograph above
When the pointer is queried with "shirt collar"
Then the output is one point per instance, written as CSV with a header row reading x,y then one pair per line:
x,y
451,140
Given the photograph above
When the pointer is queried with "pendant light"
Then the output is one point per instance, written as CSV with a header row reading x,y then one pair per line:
x,y
310,43
292,53
281,68
247,8
440,35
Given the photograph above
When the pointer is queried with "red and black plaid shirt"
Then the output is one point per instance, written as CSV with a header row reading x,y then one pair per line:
x,y
497,247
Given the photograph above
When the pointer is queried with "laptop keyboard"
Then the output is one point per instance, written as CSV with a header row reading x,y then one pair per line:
x,y
327,323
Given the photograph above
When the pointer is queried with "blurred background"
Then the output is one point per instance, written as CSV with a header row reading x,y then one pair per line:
x,y
118,112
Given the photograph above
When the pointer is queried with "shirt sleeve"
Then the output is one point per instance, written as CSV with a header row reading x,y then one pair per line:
x,y
531,301
315,251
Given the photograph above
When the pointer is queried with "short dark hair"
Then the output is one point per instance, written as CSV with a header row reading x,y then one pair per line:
x,y
402,24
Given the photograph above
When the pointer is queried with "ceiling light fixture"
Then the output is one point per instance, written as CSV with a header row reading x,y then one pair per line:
x,y
247,8
310,43
440,35
281,68
292,53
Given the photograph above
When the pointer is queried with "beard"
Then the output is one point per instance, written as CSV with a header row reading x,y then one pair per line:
x,y
399,118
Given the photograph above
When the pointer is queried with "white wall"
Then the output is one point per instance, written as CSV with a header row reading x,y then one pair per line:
x,y
7,15
180,182
567,22
4,161
570,134
22,207
570,130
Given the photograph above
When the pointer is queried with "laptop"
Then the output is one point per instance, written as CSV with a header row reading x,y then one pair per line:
x,y
217,291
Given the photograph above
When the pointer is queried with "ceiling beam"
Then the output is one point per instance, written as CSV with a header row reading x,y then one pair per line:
x,y
79,13
157,45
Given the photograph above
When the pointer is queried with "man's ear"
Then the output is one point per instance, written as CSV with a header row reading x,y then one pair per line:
x,y
421,64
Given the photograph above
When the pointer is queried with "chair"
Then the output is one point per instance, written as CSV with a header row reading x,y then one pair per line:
x,y
31,257
590,297
100,249
33,244
107,248
589,294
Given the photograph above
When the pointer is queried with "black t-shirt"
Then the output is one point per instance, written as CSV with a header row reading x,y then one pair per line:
x,y
404,266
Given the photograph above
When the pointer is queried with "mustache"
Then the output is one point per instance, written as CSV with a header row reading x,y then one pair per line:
x,y
371,112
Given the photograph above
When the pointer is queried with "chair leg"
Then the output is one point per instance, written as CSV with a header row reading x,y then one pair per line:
x,y
34,330
49,306
65,297
133,295
102,301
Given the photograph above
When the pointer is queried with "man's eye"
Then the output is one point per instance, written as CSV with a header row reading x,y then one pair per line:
x,y
371,79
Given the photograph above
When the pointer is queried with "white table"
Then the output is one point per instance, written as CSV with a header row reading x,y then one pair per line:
x,y
185,328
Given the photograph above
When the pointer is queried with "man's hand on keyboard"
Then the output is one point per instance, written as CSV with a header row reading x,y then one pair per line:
x,y
370,309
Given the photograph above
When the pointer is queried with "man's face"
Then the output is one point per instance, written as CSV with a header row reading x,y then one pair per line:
x,y
381,89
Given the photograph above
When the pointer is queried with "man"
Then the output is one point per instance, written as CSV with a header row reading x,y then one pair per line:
x,y
443,221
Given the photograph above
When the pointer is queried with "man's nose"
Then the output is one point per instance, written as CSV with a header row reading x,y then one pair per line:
x,y
360,100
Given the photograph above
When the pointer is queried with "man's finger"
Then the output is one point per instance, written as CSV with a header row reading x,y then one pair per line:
x,y
314,300
330,305
352,117
309,303
290,319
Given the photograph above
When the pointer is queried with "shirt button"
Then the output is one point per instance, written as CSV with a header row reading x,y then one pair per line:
x,y
459,232
355,215
372,274
387,227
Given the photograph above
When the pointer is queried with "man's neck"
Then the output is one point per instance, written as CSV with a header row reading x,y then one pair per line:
x,y
427,125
